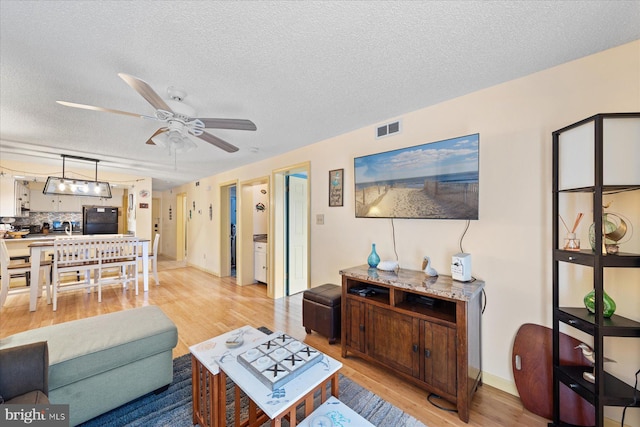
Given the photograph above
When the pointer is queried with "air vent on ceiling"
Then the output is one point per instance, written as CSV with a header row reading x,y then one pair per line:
x,y
388,129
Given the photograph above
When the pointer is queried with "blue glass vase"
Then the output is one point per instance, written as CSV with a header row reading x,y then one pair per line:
x,y
373,259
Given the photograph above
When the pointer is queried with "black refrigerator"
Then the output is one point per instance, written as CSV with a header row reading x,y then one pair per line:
x,y
99,220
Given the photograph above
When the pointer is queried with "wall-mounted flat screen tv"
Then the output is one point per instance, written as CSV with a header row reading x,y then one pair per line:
x,y
437,180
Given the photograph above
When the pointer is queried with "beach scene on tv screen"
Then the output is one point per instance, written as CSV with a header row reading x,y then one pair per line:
x,y
436,180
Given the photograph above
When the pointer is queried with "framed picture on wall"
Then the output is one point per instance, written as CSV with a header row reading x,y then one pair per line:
x,y
336,186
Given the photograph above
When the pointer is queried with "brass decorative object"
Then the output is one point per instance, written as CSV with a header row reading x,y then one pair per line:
x,y
612,233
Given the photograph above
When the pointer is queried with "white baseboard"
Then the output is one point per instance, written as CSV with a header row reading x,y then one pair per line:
x,y
500,383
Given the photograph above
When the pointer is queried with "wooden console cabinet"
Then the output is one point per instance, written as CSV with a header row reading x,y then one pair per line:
x,y
425,329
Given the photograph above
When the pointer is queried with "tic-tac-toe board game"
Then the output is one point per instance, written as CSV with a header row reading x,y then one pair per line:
x,y
279,360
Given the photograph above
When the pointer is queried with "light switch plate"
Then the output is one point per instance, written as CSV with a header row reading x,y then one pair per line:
x,y
320,219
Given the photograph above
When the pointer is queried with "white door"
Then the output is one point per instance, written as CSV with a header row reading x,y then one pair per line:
x,y
297,230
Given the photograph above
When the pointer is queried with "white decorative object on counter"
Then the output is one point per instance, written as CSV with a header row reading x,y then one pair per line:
x,y
388,265
426,267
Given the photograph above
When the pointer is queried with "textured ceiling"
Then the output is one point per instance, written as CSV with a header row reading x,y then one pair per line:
x,y
301,71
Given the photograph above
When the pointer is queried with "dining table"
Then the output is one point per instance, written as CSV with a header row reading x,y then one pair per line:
x,y
39,248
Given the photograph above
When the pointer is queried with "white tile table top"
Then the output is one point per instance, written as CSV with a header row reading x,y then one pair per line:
x,y
275,402
210,352
333,413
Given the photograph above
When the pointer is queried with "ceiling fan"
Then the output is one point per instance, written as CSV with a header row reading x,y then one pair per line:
x,y
178,118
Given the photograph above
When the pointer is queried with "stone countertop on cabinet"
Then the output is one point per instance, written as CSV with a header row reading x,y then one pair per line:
x,y
417,281
260,238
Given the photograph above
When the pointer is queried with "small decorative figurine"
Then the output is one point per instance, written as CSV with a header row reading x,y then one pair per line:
x,y
589,354
426,267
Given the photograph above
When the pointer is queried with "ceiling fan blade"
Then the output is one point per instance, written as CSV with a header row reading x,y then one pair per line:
x,y
218,142
158,132
146,91
106,110
237,124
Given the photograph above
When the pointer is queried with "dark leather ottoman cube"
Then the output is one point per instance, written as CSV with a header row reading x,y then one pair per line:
x,y
321,310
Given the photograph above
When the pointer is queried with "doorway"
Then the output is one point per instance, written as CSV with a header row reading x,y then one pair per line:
x,y
181,227
291,230
155,216
232,230
253,219
228,229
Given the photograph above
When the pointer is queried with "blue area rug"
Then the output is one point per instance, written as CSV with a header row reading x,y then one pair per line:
x,y
172,408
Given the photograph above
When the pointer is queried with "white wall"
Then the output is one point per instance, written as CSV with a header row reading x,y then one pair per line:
x,y
260,223
141,191
511,241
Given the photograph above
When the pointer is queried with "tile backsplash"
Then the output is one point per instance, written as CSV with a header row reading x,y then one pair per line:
x,y
39,218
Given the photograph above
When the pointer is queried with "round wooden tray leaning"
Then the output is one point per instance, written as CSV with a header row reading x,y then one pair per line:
x,y
534,380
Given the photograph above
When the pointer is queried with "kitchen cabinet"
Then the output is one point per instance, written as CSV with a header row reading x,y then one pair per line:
x,y
66,203
7,196
593,159
260,261
54,203
14,197
114,201
22,199
424,329
43,202
69,204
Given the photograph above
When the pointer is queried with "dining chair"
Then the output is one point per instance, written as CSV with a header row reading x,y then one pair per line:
x,y
73,256
153,257
121,254
10,269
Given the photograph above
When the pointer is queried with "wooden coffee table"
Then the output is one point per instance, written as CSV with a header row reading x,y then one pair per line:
x,y
213,362
205,374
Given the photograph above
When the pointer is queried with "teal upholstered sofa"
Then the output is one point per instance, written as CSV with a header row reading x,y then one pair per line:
x,y
99,363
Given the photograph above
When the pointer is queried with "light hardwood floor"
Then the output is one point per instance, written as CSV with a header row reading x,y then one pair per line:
x,y
203,306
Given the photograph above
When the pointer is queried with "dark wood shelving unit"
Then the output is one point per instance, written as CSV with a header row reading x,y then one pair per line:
x,y
607,390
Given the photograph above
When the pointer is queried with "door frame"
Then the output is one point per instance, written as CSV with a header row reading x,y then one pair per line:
x,y
225,219
297,229
156,214
277,244
244,231
181,226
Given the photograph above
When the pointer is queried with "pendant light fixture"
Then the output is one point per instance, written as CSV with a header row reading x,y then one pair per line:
x,y
77,187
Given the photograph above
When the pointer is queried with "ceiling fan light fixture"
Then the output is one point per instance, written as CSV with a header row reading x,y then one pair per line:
x,y
175,142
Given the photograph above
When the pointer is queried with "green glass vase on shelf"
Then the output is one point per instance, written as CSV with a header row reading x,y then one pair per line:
x,y
609,303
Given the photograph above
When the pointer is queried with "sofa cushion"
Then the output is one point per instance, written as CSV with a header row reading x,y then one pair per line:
x,y
83,348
